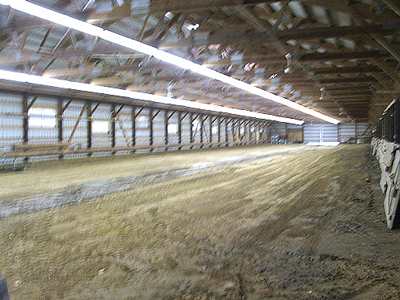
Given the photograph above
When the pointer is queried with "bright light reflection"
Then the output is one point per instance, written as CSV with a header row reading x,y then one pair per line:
x,y
64,84
58,18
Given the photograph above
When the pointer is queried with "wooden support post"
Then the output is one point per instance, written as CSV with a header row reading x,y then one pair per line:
x,y
60,120
77,123
238,130
166,119
151,128
219,131
179,130
210,131
112,125
259,132
89,123
233,131
133,119
246,132
251,132
286,133
201,130
25,121
256,132
89,126
246,135
264,136
191,129
114,118
226,132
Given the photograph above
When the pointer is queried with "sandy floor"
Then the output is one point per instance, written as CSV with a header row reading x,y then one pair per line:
x,y
307,224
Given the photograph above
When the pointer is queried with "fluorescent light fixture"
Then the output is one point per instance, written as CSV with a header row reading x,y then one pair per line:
x,y
58,18
84,87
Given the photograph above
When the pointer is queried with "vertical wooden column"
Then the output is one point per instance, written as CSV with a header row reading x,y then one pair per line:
x,y
151,128
25,123
226,132
286,133
191,129
253,132
179,114
261,130
112,123
219,131
239,131
201,130
246,132
243,136
259,133
211,132
133,117
256,132
264,136
60,120
89,133
233,131
251,123
166,119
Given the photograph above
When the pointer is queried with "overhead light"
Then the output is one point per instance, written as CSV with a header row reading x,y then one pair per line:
x,y
191,27
288,70
84,87
58,18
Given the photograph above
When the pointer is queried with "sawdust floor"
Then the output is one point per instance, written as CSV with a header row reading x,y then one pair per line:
x,y
307,224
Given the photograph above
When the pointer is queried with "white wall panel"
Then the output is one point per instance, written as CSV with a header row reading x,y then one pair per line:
x,y
10,119
320,132
336,133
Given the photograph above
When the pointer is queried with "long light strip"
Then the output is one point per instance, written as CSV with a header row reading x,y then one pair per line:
x,y
58,18
84,87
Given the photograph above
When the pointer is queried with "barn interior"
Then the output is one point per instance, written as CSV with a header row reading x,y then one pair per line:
x,y
206,149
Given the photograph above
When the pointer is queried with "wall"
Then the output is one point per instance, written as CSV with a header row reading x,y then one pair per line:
x,y
102,128
344,133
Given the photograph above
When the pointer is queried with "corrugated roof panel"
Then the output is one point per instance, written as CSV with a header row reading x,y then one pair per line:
x,y
320,14
342,19
298,9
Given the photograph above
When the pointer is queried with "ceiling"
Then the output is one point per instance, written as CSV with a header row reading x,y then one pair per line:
x,y
338,57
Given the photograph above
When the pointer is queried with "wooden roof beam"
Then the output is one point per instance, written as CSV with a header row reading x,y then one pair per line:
x,y
348,88
342,55
345,31
394,5
346,80
351,93
346,70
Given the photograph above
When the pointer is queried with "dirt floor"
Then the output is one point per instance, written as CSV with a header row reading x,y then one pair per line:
x,y
265,222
